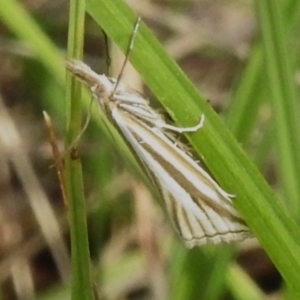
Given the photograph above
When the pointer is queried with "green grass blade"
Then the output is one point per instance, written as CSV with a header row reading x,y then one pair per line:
x,y
221,153
266,216
81,278
241,287
247,98
282,91
250,89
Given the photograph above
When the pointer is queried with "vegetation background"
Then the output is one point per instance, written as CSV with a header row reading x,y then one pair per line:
x,y
242,57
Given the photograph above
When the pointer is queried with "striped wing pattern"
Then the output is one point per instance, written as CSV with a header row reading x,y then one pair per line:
x,y
200,210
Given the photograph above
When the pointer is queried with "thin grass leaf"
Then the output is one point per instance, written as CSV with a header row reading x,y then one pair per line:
x,y
282,91
262,211
241,287
245,186
81,279
250,89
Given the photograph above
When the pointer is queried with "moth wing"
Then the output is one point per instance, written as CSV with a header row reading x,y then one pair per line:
x,y
199,209
202,224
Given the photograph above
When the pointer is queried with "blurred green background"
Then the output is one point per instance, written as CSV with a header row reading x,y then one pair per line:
x,y
248,72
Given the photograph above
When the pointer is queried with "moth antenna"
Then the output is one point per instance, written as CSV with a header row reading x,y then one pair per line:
x,y
129,48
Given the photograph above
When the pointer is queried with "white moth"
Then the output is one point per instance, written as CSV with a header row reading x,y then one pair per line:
x,y
200,210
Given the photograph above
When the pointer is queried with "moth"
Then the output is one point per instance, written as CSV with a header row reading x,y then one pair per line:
x,y
200,210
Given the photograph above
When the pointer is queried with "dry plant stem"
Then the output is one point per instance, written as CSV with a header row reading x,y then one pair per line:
x,y
37,198
22,278
59,165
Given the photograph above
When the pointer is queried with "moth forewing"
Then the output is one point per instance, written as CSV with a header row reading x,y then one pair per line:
x,y
192,197
201,211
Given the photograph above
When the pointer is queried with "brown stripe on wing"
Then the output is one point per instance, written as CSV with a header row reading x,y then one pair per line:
x,y
196,195
179,177
218,236
145,124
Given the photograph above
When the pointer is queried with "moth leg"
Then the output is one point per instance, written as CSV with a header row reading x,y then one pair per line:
x,y
183,129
